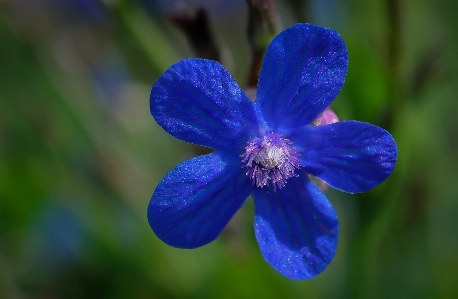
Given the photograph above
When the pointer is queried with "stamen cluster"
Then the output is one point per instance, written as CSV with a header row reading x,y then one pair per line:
x,y
271,158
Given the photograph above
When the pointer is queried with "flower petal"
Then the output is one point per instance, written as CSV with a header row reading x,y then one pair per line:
x,y
197,100
303,70
195,201
350,156
296,228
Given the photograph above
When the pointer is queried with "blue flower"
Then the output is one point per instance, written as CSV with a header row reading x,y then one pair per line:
x,y
267,149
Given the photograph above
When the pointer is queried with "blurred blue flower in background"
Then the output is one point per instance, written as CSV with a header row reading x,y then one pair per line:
x,y
80,10
111,77
57,237
268,149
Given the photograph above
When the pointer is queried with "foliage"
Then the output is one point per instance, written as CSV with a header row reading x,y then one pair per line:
x,y
80,154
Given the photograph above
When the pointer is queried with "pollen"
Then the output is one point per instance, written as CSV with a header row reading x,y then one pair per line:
x,y
270,160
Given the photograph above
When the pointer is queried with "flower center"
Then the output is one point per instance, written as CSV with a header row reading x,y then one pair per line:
x,y
271,158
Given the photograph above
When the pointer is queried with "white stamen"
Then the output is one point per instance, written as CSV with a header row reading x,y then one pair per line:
x,y
270,157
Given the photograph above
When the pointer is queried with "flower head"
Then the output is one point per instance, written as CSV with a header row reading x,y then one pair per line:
x,y
267,149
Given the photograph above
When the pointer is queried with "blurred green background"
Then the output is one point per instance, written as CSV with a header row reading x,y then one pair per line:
x,y
80,154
